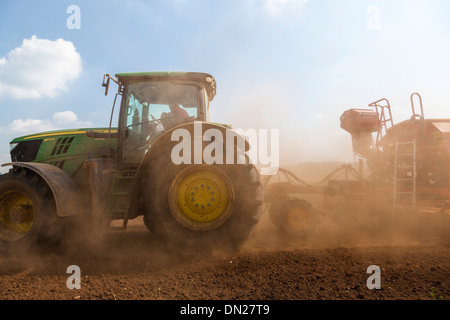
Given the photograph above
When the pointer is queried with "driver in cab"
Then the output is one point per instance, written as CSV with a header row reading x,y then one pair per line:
x,y
177,115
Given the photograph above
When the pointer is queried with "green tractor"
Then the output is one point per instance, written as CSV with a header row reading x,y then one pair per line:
x,y
189,178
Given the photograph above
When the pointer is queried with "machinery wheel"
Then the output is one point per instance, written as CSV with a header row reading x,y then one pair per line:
x,y
26,209
200,208
295,218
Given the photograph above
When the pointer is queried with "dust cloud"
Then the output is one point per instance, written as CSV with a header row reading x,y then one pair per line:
x,y
308,131
363,220
113,252
360,223
312,144
359,220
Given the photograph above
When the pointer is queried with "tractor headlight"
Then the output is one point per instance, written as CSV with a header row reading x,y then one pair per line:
x,y
13,145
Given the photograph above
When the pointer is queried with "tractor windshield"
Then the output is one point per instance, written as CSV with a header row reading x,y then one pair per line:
x,y
152,108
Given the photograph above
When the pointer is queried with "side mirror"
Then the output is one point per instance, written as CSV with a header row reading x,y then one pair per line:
x,y
105,84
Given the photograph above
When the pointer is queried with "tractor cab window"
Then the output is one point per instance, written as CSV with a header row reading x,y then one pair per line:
x,y
151,108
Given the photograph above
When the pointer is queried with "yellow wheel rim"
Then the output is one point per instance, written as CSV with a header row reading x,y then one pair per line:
x,y
298,218
16,215
201,197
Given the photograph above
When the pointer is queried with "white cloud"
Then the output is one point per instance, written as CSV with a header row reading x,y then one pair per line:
x,y
38,68
65,117
30,125
59,120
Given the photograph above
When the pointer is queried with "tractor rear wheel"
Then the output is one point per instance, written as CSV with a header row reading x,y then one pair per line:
x,y
26,208
201,208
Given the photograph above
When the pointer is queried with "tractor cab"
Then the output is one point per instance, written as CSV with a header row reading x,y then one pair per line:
x,y
155,102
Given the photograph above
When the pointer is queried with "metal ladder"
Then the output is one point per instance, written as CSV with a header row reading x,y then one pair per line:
x,y
384,117
385,122
405,161
119,196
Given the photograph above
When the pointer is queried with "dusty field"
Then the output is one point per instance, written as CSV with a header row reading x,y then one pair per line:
x,y
414,261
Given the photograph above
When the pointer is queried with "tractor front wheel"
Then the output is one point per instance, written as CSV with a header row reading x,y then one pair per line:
x,y
26,208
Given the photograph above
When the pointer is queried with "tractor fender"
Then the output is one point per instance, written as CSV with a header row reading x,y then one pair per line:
x,y
158,147
65,191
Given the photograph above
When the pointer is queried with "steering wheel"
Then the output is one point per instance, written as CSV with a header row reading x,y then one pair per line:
x,y
154,122
143,140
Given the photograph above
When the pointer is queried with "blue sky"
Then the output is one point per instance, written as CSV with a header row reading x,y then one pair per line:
x,y
292,65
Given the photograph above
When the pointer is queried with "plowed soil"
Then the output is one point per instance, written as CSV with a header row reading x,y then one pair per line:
x,y
413,257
